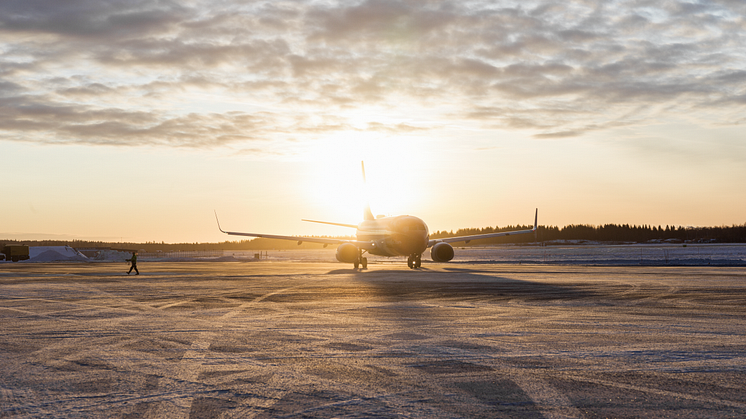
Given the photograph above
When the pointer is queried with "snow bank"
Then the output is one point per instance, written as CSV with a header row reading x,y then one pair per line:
x,y
55,254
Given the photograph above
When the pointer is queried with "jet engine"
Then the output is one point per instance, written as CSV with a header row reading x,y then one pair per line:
x,y
441,252
347,253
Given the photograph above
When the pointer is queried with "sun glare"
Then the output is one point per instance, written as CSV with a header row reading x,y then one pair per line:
x,y
394,169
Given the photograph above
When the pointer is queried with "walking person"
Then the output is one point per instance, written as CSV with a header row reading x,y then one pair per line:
x,y
134,263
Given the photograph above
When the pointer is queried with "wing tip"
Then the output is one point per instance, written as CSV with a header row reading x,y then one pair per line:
x,y
218,221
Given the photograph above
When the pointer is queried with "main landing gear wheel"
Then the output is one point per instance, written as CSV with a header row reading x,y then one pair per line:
x,y
361,260
414,261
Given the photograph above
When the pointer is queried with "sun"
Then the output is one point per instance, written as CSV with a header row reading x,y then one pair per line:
x,y
394,176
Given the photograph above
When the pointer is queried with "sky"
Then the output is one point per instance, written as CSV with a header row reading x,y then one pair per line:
x,y
137,120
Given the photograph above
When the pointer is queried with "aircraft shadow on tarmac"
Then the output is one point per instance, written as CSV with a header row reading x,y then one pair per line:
x,y
457,283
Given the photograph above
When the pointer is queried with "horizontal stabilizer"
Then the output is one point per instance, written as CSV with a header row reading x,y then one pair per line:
x,y
361,244
334,224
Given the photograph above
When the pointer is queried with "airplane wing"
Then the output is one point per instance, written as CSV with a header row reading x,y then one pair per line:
x,y
299,239
486,235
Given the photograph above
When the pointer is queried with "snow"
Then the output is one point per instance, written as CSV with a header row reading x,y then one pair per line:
x,y
55,254
586,254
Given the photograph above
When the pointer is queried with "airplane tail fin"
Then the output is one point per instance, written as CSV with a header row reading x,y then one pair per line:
x,y
367,213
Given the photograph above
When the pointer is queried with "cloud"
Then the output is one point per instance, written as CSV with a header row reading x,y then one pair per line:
x,y
32,120
206,74
90,20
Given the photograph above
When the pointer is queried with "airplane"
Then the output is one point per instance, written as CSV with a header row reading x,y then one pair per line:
x,y
402,235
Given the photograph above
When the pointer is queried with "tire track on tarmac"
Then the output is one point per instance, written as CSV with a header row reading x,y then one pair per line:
x,y
550,402
659,392
191,366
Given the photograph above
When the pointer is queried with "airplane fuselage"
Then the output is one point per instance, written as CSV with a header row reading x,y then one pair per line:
x,y
403,235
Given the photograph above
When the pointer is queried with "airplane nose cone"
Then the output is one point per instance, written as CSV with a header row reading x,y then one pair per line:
x,y
413,235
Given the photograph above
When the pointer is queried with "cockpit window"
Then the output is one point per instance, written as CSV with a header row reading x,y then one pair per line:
x,y
411,224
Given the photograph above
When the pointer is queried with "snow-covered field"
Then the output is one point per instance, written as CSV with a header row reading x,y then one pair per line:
x,y
595,254
643,254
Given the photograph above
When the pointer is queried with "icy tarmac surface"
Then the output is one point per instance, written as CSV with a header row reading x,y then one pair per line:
x,y
302,339
596,254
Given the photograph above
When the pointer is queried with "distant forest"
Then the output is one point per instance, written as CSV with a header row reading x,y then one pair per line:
x,y
615,233
611,233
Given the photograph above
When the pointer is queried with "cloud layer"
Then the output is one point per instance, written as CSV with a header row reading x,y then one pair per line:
x,y
195,74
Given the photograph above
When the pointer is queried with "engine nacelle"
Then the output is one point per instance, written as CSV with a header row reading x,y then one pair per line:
x,y
442,252
347,253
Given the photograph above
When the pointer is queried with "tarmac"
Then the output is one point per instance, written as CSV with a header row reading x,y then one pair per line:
x,y
307,340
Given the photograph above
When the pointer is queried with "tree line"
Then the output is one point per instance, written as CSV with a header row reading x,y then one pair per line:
x,y
609,233
614,233
250,244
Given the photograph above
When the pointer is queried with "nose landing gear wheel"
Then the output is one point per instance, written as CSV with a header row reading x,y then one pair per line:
x,y
414,261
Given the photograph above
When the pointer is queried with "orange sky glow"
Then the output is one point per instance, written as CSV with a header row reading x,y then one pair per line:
x,y
134,120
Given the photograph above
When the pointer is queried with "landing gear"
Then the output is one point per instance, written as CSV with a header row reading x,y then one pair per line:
x,y
361,260
414,261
